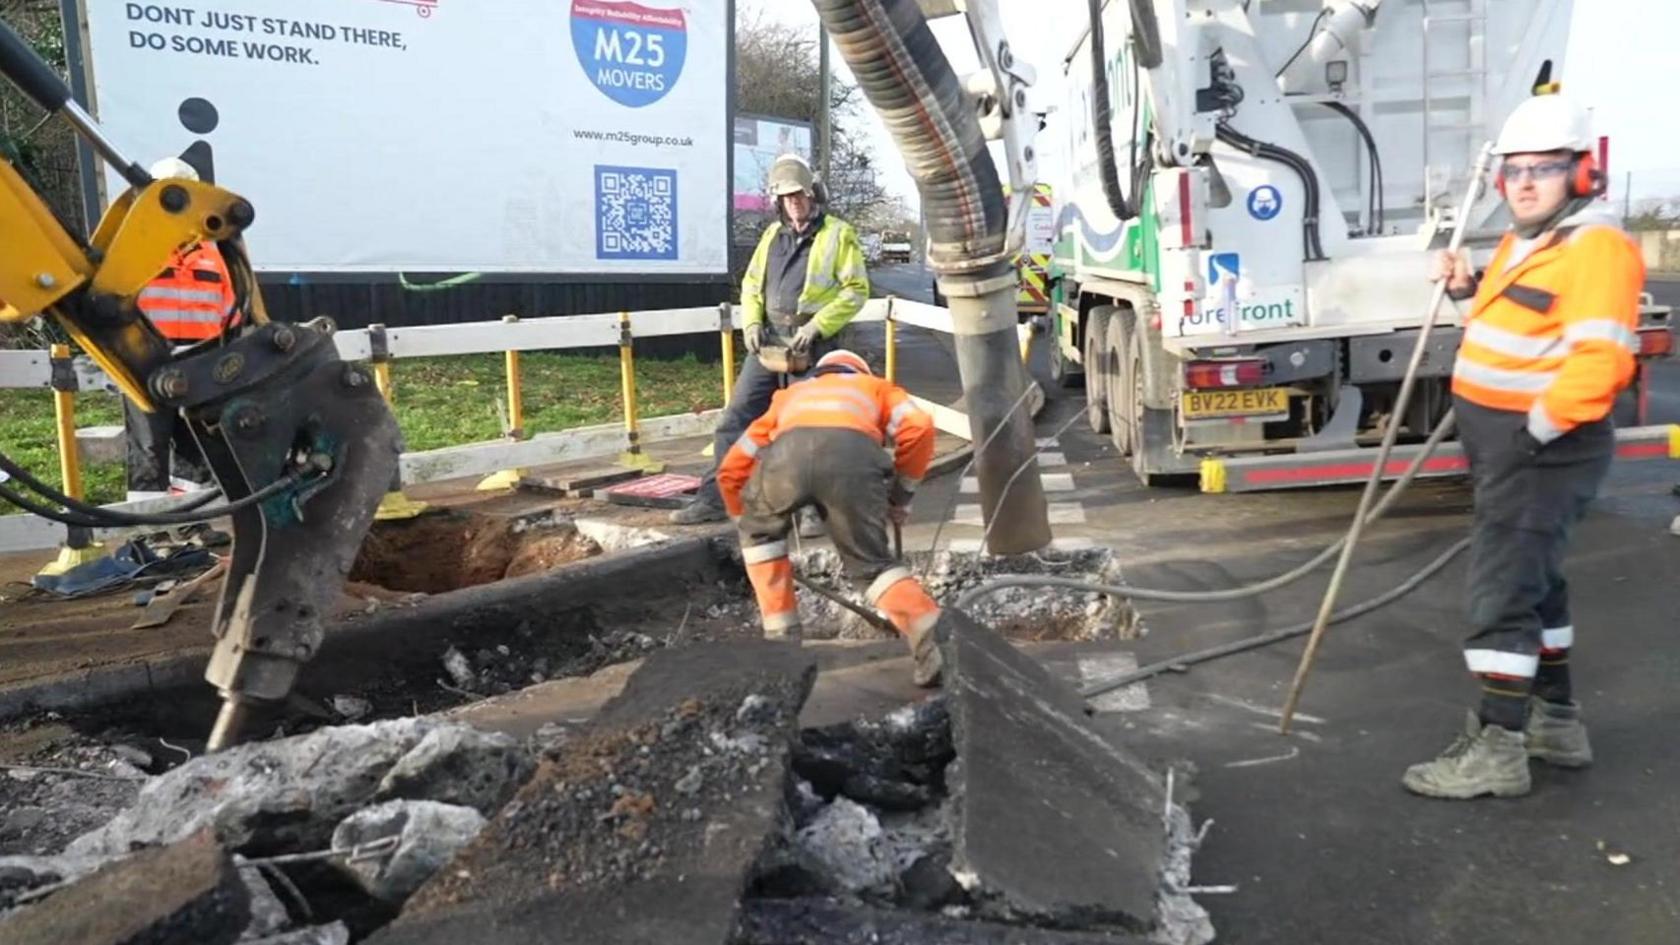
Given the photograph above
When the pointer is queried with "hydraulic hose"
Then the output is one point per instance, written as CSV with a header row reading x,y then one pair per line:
x,y
1102,121
1442,429
906,77
1312,248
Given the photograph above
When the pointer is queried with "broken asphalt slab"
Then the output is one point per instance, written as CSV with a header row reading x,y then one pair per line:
x,y
645,826
189,891
1055,821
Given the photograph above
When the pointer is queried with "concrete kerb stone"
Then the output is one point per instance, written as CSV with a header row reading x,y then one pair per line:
x,y
617,838
188,891
1055,821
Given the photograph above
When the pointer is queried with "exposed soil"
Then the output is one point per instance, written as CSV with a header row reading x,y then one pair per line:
x,y
449,550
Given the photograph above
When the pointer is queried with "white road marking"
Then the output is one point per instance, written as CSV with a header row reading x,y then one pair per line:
x,y
1260,710
1094,670
1270,759
1053,482
1047,459
1067,513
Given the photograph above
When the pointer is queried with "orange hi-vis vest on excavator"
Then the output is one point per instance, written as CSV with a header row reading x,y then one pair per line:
x,y
189,300
869,405
1553,334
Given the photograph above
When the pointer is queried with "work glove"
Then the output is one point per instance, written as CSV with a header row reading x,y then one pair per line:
x,y
898,514
805,338
753,335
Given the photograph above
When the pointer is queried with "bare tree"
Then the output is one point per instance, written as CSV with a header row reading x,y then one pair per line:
x,y
777,74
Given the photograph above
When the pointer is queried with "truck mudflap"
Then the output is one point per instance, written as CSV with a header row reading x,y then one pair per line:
x,y
1303,470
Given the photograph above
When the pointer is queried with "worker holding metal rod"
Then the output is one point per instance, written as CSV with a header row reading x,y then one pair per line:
x,y
1548,343
821,442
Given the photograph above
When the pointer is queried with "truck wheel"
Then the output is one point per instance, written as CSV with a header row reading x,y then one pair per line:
x,y
1152,429
1120,382
1096,354
1062,372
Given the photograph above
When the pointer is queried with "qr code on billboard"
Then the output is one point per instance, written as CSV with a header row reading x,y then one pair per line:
x,y
635,213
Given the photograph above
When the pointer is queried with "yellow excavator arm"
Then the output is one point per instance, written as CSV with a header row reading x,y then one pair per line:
x,y
301,444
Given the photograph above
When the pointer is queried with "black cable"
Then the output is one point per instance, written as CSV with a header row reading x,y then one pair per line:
x,y
1377,207
100,517
1313,248
1312,31
1102,121
63,518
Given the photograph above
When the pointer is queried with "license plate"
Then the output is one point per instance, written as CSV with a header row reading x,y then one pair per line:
x,y
1203,404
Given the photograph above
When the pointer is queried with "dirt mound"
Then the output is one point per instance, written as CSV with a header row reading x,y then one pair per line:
x,y
446,551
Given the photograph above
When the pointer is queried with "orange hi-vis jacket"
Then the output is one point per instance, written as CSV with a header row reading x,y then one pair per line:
x,y
189,299
870,405
1554,335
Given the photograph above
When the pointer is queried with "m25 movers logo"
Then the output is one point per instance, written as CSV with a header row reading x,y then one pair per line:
x,y
633,53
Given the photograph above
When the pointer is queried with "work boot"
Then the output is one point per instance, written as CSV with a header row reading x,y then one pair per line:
x,y
810,522
1485,759
929,665
1555,735
697,512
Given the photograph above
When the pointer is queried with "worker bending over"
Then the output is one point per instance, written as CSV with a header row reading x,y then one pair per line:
x,y
189,302
822,442
805,282
1548,344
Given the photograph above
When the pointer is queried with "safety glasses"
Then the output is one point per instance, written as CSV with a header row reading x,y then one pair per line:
x,y
1545,170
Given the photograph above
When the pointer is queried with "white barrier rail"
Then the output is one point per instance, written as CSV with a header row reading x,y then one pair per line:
x,y
381,345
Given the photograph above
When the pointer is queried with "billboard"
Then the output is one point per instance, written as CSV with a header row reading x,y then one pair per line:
x,y
524,136
758,142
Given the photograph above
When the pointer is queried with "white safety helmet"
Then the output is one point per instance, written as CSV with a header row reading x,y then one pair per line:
x,y
174,168
1545,123
789,174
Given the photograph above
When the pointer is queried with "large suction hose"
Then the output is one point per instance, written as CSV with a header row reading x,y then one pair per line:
x,y
905,75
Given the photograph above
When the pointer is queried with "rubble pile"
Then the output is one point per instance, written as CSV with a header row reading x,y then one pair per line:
x,y
1019,613
50,796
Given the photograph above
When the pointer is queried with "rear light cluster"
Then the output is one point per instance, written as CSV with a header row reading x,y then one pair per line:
x,y
1201,375
1655,342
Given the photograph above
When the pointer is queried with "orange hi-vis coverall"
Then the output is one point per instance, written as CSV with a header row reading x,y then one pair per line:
x,y
1549,342
823,441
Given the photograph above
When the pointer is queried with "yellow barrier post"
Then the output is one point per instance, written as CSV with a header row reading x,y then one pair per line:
x,y
891,329
509,478
79,546
726,328
632,455
394,505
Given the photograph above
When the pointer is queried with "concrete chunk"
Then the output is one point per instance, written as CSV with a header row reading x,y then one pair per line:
x,y
428,835
1055,821
186,892
601,846
455,764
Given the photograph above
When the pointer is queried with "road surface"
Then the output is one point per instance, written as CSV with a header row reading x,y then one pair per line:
x,y
1314,830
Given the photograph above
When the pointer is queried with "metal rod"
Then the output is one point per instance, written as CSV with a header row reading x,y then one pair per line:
x,y
1328,605
95,135
229,721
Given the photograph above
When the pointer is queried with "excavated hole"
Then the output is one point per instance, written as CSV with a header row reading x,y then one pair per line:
x,y
446,551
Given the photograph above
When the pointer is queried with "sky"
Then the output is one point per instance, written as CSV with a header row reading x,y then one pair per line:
x,y
1618,50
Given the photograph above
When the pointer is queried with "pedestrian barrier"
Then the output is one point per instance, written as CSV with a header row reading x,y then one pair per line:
x,y
501,463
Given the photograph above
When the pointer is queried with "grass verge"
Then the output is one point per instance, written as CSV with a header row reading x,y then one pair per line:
x,y
439,402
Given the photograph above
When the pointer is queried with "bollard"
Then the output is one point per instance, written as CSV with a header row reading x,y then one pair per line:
x,y
509,478
726,327
79,546
891,331
632,455
394,505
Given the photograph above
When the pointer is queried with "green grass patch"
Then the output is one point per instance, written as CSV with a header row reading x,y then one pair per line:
x,y
440,402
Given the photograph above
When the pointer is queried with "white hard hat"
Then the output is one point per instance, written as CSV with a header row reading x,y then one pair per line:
x,y
174,167
1545,123
789,174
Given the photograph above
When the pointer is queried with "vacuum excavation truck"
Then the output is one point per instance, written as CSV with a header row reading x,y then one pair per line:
x,y
1251,188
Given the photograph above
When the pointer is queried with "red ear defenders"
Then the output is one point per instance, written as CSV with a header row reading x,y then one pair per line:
x,y
1585,179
